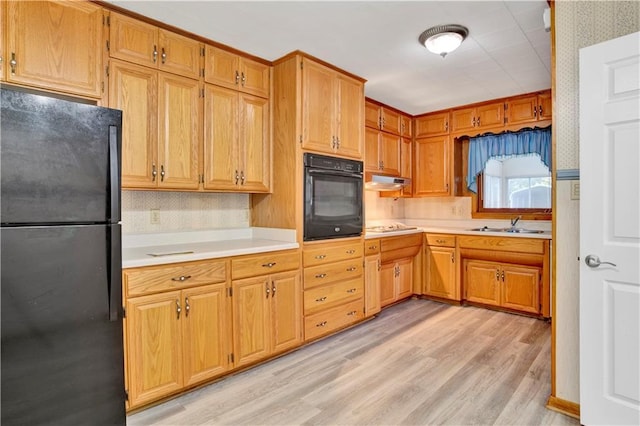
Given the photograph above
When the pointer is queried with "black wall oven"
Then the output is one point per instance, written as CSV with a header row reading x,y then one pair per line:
x,y
332,197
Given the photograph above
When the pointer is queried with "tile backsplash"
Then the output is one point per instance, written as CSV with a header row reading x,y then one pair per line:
x,y
183,211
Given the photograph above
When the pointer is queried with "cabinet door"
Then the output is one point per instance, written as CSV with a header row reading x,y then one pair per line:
x,y
522,109
350,116
318,107
3,56
206,337
372,115
371,150
406,161
387,284
405,127
432,166
179,134
390,121
404,278
434,124
372,285
221,156
441,272
251,320
490,115
481,282
178,54
254,77
544,106
56,45
286,310
133,90
463,120
154,346
133,40
390,153
520,288
254,144
221,68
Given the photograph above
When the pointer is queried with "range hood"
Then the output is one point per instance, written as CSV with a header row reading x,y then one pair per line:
x,y
385,183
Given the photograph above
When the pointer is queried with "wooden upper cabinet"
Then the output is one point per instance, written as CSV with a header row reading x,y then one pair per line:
x,y
145,44
390,121
350,116
406,165
529,108
434,124
406,130
371,115
332,111
133,89
432,171
179,132
372,150
237,154
233,71
474,120
390,154
56,45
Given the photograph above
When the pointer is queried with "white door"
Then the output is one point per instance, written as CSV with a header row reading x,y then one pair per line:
x,y
610,232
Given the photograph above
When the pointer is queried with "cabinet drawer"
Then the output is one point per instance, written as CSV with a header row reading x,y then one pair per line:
x,y
323,274
395,243
371,247
265,263
332,319
523,245
326,296
138,282
441,240
323,254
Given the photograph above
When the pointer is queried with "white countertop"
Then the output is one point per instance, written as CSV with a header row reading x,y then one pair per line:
x,y
464,228
173,247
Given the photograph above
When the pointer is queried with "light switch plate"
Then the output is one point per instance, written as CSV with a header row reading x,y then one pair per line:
x,y
154,216
575,189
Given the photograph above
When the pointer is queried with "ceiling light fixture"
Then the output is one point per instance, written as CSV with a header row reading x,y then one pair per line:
x,y
443,39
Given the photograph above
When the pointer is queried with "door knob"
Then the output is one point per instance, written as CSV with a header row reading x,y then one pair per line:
x,y
593,261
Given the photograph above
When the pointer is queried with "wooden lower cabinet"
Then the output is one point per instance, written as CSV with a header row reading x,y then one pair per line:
x,y
372,267
508,286
396,281
440,280
267,316
176,339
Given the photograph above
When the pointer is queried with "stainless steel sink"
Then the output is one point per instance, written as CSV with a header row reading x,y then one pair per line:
x,y
511,230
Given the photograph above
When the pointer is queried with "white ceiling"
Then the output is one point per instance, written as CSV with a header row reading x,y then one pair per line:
x,y
507,52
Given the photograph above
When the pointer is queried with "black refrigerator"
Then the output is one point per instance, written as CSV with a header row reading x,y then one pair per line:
x,y
62,357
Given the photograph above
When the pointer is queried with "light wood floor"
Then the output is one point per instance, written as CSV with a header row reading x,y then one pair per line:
x,y
418,363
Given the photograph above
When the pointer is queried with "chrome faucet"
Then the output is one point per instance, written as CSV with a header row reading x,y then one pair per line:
x,y
514,221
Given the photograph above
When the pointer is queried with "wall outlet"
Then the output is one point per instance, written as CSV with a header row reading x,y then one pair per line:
x,y
154,216
575,189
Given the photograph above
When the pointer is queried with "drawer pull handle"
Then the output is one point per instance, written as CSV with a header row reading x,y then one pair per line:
x,y
373,247
351,251
269,265
321,324
181,278
351,269
322,299
321,275
351,290
352,313
440,241
321,256
178,308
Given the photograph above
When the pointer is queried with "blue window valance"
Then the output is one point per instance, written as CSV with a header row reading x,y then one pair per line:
x,y
506,145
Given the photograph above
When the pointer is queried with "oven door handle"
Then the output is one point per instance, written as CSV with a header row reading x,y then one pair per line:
x,y
334,173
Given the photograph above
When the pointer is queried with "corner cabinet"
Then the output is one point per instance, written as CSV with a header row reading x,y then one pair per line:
x,y
161,129
401,261
55,45
332,111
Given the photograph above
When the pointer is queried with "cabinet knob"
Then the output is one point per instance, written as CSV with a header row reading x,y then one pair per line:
x,y
320,276
535,111
351,251
373,247
13,63
237,177
269,265
178,308
187,307
268,290
352,313
321,324
321,299
164,56
155,54
154,173
351,290
321,256
181,278
244,79
351,269
162,173
237,77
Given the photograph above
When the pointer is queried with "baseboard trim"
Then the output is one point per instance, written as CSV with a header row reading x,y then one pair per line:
x,y
563,406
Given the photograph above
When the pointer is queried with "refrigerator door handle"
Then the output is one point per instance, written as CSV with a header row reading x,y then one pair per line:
x,y
114,173
115,272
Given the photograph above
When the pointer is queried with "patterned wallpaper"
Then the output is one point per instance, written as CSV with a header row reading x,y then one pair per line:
x,y
580,24
183,211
